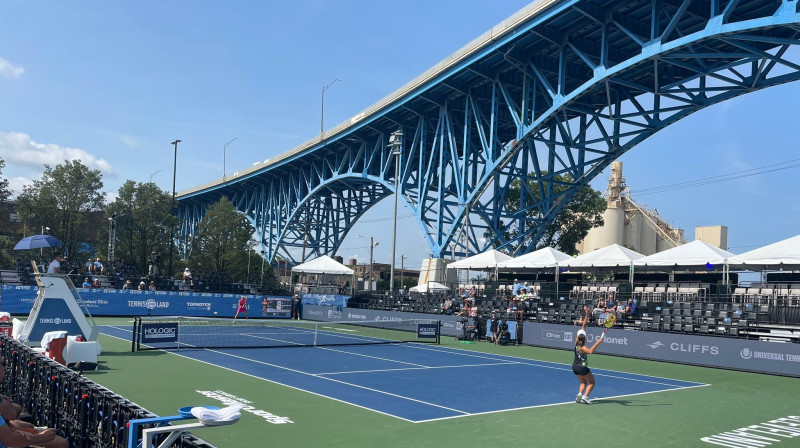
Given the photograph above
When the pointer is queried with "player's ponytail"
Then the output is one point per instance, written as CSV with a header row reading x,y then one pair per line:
x,y
581,340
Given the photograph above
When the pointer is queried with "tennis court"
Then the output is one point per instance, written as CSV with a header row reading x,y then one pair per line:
x,y
415,393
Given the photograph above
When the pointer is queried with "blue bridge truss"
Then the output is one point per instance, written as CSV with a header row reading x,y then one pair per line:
x,y
562,88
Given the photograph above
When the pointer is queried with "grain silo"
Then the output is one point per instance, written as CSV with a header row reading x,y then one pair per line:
x,y
629,224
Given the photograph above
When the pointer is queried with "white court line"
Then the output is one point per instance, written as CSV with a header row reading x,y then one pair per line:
x,y
418,368
553,365
462,352
335,381
373,357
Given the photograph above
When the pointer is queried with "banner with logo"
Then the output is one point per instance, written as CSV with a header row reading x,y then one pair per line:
x,y
450,324
325,299
729,353
430,331
118,302
159,332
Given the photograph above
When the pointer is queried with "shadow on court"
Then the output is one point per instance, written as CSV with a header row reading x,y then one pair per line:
x,y
631,403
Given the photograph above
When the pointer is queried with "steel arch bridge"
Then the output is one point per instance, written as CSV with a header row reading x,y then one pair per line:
x,y
560,88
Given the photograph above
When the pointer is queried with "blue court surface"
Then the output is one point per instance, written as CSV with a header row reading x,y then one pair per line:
x,y
421,382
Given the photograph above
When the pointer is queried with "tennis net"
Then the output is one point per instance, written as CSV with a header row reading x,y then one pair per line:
x,y
159,333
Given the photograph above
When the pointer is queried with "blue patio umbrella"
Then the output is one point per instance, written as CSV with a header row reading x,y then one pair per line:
x,y
37,242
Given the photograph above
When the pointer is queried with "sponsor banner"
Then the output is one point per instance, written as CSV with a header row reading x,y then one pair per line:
x,y
729,353
113,302
450,324
429,331
325,299
154,333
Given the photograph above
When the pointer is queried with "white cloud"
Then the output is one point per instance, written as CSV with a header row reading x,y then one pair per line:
x,y
129,141
17,149
111,196
9,70
16,184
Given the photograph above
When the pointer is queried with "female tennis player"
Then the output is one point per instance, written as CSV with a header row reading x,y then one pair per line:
x,y
580,365
242,307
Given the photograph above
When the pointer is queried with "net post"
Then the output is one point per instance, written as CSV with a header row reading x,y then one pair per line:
x,y
134,333
316,332
438,332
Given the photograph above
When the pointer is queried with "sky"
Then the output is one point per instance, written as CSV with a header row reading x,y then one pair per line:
x,y
113,83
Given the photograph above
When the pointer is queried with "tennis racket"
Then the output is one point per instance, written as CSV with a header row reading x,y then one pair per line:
x,y
610,321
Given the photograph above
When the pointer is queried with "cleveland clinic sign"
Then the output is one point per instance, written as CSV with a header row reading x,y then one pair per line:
x,y
729,353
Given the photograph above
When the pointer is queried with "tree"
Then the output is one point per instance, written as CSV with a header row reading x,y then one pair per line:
x,y
143,218
5,192
222,245
583,212
62,200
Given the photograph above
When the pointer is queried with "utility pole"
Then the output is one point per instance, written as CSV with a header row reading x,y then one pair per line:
x,y
172,210
395,142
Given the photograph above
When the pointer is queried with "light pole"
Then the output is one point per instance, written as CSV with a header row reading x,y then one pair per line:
x,y
224,150
151,176
395,142
41,251
402,271
372,245
322,109
172,209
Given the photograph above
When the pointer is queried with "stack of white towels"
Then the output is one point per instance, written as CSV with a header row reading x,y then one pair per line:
x,y
223,416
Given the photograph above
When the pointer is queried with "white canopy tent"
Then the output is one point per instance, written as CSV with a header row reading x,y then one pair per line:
x,y
487,260
607,257
546,257
481,262
697,253
322,265
429,287
784,253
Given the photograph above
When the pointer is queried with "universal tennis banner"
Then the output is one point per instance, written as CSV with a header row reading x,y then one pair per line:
x,y
728,353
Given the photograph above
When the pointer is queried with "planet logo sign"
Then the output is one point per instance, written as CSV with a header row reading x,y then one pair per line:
x,y
154,333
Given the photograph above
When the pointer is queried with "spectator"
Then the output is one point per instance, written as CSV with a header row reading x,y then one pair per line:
x,y
152,268
473,292
152,286
295,307
599,309
516,288
14,432
55,265
345,288
86,283
611,304
503,335
127,285
187,277
493,328
89,266
96,283
447,308
98,267
630,308
142,286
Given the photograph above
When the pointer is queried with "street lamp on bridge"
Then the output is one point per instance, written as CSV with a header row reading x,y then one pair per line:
x,y
224,150
172,209
322,109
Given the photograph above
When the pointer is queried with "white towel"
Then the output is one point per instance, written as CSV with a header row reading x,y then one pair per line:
x,y
224,414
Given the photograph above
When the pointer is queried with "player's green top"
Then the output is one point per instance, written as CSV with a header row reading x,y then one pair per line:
x,y
581,359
